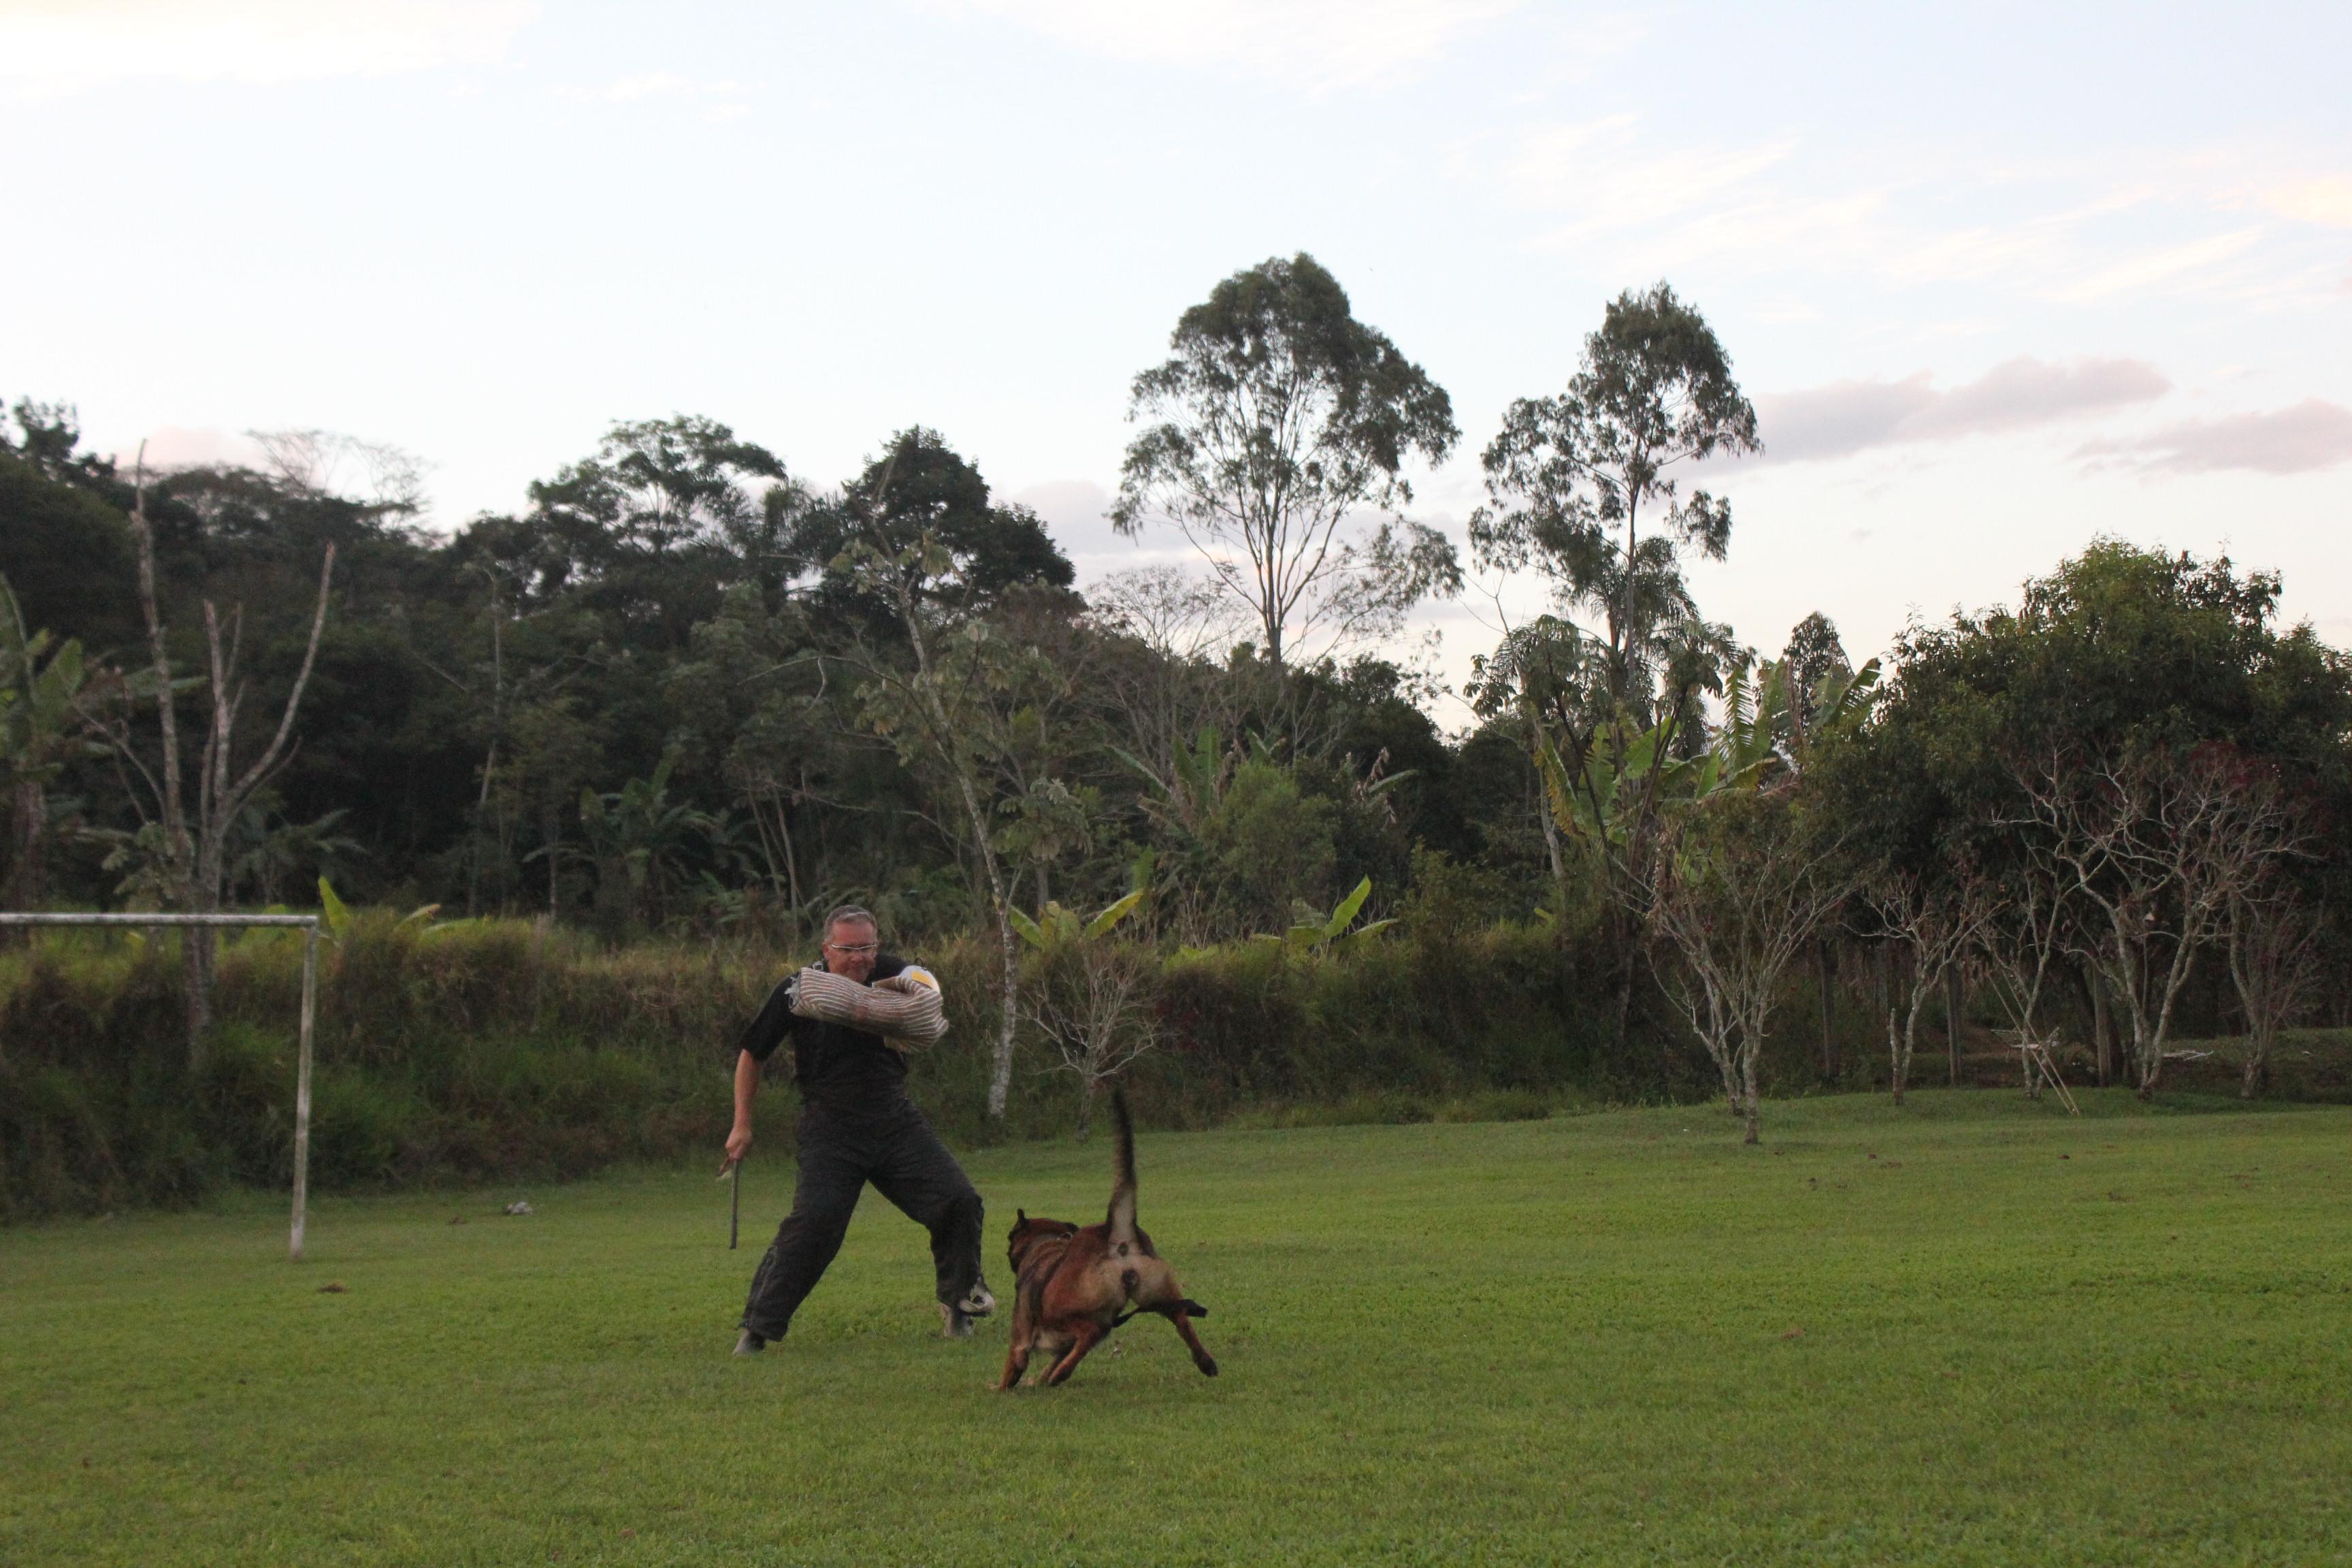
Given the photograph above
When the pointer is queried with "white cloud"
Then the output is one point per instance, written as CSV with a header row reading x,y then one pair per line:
x,y
62,45
2309,436
1596,174
1850,416
2164,265
1318,44
2071,231
2326,200
721,100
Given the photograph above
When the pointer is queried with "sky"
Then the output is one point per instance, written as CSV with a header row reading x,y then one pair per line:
x,y
2000,279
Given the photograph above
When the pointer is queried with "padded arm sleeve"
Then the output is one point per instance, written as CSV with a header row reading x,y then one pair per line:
x,y
905,1010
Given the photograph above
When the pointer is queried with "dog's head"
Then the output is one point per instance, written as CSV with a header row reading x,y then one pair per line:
x,y
1027,1235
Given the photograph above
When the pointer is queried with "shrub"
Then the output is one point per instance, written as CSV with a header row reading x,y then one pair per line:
x,y
500,1049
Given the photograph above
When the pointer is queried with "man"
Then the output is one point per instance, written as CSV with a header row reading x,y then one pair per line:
x,y
857,1126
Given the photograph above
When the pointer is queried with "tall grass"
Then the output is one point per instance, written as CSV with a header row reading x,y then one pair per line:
x,y
502,1049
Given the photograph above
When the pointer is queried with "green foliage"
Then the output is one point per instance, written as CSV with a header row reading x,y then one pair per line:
x,y
1056,928
1322,930
2119,649
339,917
498,1048
1569,475
1273,843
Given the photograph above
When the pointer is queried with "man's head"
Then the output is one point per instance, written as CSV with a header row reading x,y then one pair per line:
x,y
851,941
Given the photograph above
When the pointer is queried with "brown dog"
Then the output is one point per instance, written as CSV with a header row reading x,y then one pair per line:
x,y
1073,1286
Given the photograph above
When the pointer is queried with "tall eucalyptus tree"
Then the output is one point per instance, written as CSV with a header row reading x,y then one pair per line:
x,y
1276,417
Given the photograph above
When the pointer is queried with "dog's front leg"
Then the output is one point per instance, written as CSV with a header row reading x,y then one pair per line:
x,y
1016,1362
1085,1335
1023,1339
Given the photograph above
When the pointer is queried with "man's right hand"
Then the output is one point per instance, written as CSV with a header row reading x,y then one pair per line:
x,y
738,1141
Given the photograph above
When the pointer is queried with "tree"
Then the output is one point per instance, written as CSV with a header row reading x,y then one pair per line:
x,y
191,857
2117,649
963,705
2023,930
638,837
652,528
1277,416
924,490
1093,996
2274,948
1567,476
2158,847
1936,923
66,552
41,729
1742,888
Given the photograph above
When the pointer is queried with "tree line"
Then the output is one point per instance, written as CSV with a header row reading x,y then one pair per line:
x,y
686,689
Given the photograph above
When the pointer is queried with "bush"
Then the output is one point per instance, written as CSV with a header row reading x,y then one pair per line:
x,y
504,1050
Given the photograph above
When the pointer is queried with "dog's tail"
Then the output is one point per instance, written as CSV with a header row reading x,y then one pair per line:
x,y
1122,1192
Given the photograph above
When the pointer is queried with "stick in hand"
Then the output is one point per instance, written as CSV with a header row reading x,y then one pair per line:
x,y
733,1173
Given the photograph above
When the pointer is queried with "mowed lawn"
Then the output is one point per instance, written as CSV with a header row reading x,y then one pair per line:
x,y
1975,1331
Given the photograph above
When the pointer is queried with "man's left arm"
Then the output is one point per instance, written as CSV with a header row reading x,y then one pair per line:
x,y
905,1009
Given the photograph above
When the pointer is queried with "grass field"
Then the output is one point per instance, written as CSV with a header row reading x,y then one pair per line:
x,y
1973,1333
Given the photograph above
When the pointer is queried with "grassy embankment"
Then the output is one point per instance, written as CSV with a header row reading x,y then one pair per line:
x,y
1974,1332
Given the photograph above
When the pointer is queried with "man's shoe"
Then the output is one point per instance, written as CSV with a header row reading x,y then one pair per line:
x,y
955,1322
750,1345
977,1302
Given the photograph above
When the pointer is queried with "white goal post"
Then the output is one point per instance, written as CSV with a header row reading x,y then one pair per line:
x,y
309,925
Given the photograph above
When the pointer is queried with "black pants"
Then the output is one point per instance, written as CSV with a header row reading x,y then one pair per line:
x,y
897,1152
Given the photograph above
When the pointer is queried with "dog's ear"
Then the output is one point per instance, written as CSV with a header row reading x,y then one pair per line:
x,y
1021,1216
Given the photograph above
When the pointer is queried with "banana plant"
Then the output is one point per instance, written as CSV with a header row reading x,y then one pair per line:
x,y
1309,934
1195,781
1762,736
1056,928
41,729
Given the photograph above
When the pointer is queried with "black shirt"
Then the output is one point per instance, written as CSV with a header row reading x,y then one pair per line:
x,y
836,1067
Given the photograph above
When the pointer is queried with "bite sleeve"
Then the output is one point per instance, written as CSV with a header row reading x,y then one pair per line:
x,y
905,1010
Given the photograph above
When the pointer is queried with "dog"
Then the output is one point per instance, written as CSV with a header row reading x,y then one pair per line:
x,y
1073,1286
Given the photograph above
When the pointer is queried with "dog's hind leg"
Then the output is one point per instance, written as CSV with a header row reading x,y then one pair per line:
x,y
1085,1334
1178,1315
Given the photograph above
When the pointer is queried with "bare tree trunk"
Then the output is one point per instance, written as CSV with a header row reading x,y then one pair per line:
x,y
1952,1019
1000,1077
1898,1059
792,858
1086,1086
1751,1107
30,824
1552,836
1824,976
549,820
2103,1028
178,871
1624,1018
195,867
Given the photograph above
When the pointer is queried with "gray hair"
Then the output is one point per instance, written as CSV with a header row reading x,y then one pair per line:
x,y
848,914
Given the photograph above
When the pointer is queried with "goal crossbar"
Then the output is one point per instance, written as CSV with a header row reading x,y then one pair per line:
x,y
309,926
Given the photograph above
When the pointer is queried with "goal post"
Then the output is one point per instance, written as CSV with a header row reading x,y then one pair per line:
x,y
309,926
